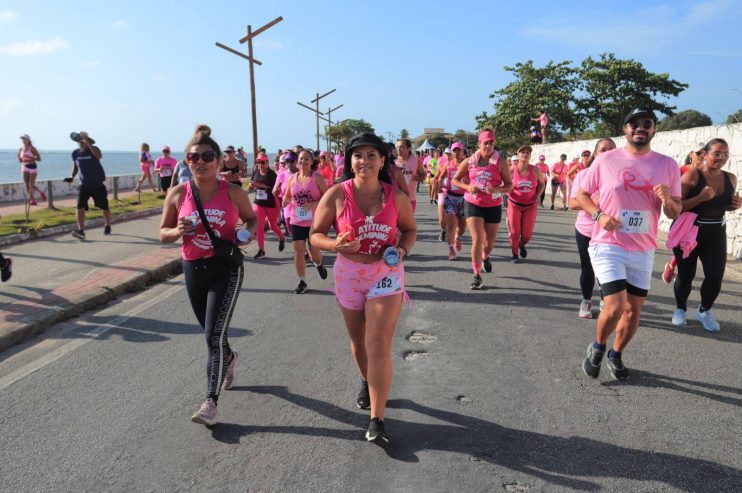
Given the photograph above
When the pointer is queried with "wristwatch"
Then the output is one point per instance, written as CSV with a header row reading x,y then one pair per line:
x,y
597,214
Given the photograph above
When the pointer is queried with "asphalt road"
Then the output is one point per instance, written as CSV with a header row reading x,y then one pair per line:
x,y
489,397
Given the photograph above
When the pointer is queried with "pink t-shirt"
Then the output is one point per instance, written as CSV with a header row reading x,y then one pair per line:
x,y
584,223
165,165
543,120
408,168
559,170
625,184
221,214
544,168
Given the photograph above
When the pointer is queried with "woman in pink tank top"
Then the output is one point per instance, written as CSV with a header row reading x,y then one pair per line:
x,y
369,284
212,285
412,168
523,200
303,191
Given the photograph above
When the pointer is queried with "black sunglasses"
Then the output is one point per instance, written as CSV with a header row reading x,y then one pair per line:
x,y
645,124
207,157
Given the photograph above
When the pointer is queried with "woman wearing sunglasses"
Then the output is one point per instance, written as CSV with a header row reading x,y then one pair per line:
x,y
369,215
484,177
708,192
262,182
303,191
212,286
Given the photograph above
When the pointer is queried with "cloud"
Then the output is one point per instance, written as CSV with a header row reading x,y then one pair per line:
x,y
7,15
120,24
34,47
9,105
706,11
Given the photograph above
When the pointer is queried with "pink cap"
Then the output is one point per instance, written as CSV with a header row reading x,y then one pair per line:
x,y
586,151
262,157
457,145
166,149
323,154
486,135
541,157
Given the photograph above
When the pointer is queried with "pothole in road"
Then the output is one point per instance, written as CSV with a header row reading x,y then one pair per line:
x,y
419,337
414,355
462,399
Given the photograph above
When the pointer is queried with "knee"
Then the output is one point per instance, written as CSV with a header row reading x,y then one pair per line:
x,y
377,348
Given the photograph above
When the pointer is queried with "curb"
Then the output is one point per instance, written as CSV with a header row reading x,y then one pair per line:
x,y
10,240
27,319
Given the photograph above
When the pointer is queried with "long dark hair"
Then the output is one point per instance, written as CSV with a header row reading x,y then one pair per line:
x,y
370,139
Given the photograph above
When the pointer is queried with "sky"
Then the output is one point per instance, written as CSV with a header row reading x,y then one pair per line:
x,y
135,71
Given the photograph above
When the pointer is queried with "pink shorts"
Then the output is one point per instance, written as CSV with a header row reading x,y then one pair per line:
x,y
356,283
145,168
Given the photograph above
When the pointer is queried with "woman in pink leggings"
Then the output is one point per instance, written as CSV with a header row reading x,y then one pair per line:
x,y
369,273
523,200
262,182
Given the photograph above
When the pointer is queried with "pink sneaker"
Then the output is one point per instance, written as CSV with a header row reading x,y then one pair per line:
x,y
457,244
668,274
451,255
206,415
229,375
32,202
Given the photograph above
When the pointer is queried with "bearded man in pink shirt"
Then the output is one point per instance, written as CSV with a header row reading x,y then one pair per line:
x,y
634,183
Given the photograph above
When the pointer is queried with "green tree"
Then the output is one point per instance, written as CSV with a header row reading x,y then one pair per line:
x,y
684,119
404,134
345,130
735,117
613,87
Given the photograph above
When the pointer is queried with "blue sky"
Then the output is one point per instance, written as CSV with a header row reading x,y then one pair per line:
x,y
137,71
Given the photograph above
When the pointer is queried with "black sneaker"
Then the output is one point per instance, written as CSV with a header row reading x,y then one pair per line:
x,y
261,253
281,244
591,365
322,271
376,432
515,260
477,284
523,252
79,234
487,264
552,207
107,230
301,288
442,236
618,370
6,270
363,401
307,258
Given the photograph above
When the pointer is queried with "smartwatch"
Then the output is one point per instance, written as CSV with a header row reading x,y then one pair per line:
x,y
596,214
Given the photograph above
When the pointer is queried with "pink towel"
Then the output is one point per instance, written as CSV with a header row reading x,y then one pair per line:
x,y
683,233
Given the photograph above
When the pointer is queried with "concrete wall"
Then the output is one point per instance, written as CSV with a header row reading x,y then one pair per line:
x,y
10,192
676,144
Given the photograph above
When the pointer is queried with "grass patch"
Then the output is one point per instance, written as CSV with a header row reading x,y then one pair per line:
x,y
48,218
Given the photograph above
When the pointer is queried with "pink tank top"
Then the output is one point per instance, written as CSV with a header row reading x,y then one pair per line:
x,y
483,176
375,232
300,195
408,168
524,187
222,216
448,175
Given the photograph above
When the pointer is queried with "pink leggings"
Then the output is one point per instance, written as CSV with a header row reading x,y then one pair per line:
x,y
521,220
271,213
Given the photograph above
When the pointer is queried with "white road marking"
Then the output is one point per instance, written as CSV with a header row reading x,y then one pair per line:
x,y
28,369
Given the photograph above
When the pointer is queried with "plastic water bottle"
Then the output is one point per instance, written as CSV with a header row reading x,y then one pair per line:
x,y
191,219
243,236
391,256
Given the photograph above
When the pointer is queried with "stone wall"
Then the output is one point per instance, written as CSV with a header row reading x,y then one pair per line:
x,y
10,192
676,144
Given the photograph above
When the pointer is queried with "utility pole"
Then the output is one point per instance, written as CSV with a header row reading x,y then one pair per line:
x,y
250,58
316,110
329,124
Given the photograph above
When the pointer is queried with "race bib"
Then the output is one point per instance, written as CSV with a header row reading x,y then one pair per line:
x,y
303,214
386,286
634,222
166,172
496,195
261,194
408,178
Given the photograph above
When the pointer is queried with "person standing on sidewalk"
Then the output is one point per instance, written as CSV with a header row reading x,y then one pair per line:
x,y
29,158
634,184
86,160
212,284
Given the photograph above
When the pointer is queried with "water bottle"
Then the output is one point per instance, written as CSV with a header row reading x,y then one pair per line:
x,y
391,256
243,236
192,218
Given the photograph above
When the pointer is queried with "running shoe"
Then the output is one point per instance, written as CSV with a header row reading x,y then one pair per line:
x,y
586,309
515,260
6,270
107,230
707,319
477,284
301,288
457,244
451,254
79,234
618,370
363,401
591,365
523,252
32,202
206,414
487,264
376,432
261,253
552,207
229,374
281,244
307,258
679,317
565,208
442,235
43,196
322,271
668,274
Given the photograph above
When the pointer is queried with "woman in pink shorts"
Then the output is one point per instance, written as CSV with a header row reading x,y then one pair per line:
x,y
145,164
29,157
369,285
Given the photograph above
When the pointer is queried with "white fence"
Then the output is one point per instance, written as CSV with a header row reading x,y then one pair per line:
x,y
10,192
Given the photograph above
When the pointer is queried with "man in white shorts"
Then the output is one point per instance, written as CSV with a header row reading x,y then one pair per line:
x,y
634,184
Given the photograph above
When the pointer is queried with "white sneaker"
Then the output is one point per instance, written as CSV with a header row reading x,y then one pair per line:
x,y
678,318
206,414
707,319
586,309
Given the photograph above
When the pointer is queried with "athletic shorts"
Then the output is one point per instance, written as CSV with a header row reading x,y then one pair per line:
x,y
26,169
489,214
613,264
99,196
145,168
165,182
356,283
441,198
299,233
454,205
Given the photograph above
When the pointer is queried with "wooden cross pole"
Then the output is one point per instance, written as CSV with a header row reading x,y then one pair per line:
x,y
329,124
250,58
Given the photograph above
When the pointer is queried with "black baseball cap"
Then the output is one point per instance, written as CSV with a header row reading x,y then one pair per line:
x,y
639,112
367,139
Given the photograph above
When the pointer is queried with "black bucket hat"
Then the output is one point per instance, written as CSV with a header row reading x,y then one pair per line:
x,y
77,138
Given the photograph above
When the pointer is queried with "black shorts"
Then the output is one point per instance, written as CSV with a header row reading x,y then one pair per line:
x,y
491,215
299,233
99,195
165,182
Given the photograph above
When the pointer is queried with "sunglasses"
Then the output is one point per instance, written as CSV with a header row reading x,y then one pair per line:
x,y
719,155
587,154
207,157
645,124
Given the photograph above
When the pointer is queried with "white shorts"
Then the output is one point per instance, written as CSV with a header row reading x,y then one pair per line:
x,y
441,198
613,263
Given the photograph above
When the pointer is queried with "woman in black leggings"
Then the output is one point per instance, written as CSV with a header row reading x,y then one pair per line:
x,y
708,191
212,285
